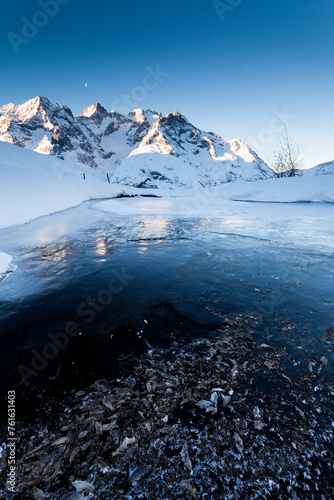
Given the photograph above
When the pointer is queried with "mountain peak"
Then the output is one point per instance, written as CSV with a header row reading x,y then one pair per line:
x,y
27,110
36,103
41,100
176,120
141,114
177,117
94,109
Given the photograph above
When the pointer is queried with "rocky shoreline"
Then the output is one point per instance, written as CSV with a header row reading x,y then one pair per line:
x,y
227,417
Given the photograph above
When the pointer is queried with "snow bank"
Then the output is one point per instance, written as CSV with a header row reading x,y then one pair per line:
x,y
33,185
322,169
285,190
6,266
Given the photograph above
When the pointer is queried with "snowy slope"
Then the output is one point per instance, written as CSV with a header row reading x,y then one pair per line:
x,y
6,265
32,185
127,146
285,190
322,169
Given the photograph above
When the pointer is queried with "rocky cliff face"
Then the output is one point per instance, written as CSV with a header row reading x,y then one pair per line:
x,y
126,145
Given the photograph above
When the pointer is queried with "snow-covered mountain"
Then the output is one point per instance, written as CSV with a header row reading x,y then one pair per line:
x,y
142,149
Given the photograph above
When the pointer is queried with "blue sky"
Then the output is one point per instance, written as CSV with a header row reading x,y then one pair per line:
x,y
230,69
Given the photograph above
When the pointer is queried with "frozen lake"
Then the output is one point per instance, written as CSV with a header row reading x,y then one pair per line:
x,y
162,268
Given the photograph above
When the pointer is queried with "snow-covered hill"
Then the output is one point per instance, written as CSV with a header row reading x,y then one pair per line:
x,y
142,149
33,185
322,169
306,189
309,185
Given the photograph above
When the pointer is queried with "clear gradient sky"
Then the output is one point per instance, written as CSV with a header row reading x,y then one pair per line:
x,y
227,71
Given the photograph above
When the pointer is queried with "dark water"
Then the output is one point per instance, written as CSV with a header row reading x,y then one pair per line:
x,y
123,284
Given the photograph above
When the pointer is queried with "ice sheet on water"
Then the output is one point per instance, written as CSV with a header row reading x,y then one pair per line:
x,y
50,250
301,224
